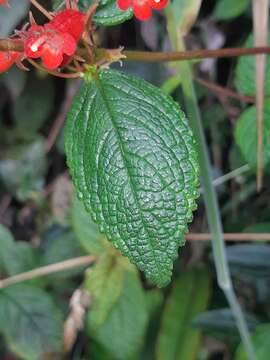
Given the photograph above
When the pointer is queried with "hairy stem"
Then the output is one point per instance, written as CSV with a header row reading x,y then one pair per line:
x,y
211,203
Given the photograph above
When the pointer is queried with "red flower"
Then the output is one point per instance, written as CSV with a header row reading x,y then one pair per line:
x,y
70,21
7,59
3,2
142,9
49,44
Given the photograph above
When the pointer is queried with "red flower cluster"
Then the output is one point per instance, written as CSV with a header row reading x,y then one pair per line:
x,y
55,42
142,9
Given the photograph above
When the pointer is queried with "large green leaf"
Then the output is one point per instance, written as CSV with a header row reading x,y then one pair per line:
x,y
246,134
189,297
134,163
123,331
30,322
261,343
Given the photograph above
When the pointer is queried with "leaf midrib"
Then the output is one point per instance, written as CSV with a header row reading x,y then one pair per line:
x,y
107,105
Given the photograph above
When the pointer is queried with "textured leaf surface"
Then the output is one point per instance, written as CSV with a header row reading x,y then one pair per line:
x,y
29,321
189,297
261,343
246,74
246,134
123,331
107,13
133,160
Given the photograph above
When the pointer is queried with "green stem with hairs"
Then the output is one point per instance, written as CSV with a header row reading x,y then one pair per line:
x,y
211,202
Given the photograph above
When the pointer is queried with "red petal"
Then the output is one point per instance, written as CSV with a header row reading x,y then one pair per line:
x,y
158,4
124,4
51,60
69,45
142,10
69,21
7,59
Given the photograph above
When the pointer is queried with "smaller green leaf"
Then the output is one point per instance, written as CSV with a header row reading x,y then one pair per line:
x,y
189,297
105,283
250,260
15,257
38,94
221,325
245,72
229,9
261,343
85,229
61,244
123,331
30,322
107,13
185,13
246,135
22,168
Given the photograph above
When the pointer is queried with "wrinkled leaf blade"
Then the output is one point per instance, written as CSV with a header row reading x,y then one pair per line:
x,y
134,164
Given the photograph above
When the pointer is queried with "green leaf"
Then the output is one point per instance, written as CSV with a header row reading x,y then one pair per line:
x,y
38,94
134,163
249,260
86,231
177,338
246,135
15,257
11,16
228,9
105,283
61,245
123,331
246,74
107,13
261,343
185,13
22,168
30,322
221,324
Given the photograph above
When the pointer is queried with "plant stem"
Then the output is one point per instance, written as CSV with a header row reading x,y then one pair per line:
x,y
46,270
211,203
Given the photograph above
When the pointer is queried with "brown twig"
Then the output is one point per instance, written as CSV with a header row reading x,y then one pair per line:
x,y
148,56
60,119
41,9
47,270
55,73
220,90
230,237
